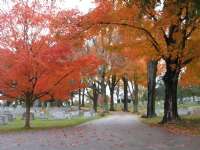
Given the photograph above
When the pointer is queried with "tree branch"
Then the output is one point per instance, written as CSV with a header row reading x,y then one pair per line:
x,y
153,40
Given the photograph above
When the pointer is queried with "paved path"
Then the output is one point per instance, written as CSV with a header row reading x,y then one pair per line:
x,y
117,132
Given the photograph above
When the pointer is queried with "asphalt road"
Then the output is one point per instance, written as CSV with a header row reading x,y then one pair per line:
x,y
121,131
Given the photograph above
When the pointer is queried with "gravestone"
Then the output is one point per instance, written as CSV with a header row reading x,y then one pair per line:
x,y
68,115
58,115
74,113
42,116
19,110
31,116
3,120
88,114
182,111
9,116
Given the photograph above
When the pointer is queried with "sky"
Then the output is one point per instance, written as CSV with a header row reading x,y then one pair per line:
x,y
83,5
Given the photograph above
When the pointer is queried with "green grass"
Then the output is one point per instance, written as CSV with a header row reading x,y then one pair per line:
x,y
152,121
37,124
189,106
189,124
185,120
141,108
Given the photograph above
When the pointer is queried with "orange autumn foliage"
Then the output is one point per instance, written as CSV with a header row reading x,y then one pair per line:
x,y
167,30
144,28
32,61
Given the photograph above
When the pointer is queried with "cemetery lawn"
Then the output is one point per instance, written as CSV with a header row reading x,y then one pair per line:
x,y
38,124
188,125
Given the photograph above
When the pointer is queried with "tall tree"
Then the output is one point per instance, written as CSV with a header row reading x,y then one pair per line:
x,y
112,82
83,98
168,29
94,93
33,64
125,81
151,79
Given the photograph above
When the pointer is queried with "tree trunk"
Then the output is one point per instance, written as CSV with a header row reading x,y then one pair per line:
x,y
72,101
95,102
27,116
193,97
112,88
136,97
83,98
152,70
79,99
112,99
170,105
117,93
125,80
103,88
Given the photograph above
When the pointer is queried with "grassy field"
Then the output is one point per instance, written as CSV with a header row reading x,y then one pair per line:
x,y
189,125
37,124
195,106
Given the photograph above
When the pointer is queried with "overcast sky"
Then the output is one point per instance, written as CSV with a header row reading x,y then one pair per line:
x,y
83,5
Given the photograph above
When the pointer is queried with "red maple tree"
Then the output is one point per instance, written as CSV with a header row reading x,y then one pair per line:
x,y
33,63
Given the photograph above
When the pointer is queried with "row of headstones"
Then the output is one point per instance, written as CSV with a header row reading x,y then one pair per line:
x,y
70,114
189,111
191,99
8,114
55,115
19,110
182,111
5,118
